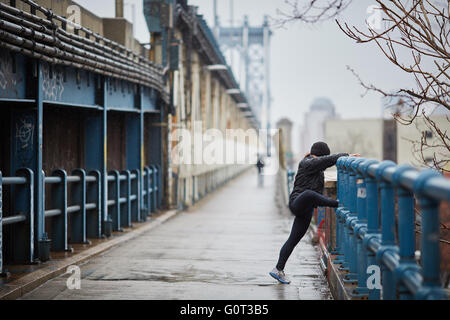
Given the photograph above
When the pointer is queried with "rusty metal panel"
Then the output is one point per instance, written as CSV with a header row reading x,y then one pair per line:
x,y
116,141
63,140
63,146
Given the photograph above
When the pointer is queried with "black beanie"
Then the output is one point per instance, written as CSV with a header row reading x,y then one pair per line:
x,y
320,149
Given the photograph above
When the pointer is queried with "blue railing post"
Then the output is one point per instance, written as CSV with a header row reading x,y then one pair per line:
x,y
339,250
343,216
44,243
78,219
154,188
406,233
23,233
352,276
336,249
430,249
59,222
387,230
149,189
114,193
94,195
373,228
359,229
125,192
160,186
136,215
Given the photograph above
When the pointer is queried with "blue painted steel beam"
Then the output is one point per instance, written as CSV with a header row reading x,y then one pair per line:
x,y
107,225
42,237
141,215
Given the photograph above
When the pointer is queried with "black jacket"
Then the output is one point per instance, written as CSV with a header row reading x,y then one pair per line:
x,y
310,173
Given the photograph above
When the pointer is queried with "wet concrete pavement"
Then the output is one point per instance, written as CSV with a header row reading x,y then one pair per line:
x,y
221,248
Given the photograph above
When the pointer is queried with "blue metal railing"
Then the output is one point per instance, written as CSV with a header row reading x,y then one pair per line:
x,y
370,194
22,218
76,208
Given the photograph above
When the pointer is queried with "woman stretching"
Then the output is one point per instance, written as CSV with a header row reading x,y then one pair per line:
x,y
306,195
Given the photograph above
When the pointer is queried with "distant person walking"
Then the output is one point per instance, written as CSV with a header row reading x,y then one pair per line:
x,y
260,165
305,196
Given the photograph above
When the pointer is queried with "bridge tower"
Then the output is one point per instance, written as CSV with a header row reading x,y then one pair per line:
x,y
251,46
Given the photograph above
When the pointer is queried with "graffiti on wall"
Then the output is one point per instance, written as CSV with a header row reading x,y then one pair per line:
x,y
52,82
9,79
24,139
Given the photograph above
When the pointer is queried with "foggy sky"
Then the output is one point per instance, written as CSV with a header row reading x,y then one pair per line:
x,y
306,61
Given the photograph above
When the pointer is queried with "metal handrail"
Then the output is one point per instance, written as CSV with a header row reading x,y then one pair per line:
x,y
135,197
52,213
362,242
14,219
9,181
14,180
437,188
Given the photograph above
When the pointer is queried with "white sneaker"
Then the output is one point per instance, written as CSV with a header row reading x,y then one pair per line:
x,y
279,275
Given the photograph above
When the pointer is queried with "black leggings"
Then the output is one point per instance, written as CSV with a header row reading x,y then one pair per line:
x,y
302,207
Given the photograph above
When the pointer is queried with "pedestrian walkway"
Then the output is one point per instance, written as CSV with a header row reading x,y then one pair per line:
x,y
221,248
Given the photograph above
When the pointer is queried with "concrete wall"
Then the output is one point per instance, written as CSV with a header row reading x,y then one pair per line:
x,y
202,98
119,30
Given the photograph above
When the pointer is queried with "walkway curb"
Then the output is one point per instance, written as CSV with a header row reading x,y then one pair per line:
x,y
17,288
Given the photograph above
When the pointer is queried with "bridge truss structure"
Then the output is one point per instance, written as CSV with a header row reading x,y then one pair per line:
x,y
251,45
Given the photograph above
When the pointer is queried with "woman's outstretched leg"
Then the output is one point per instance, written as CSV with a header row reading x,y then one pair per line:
x,y
302,207
299,228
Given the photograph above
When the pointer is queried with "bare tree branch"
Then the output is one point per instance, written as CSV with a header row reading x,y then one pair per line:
x,y
420,27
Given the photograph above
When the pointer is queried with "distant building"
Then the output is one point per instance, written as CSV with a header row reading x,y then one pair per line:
x,y
313,129
383,139
409,137
363,136
286,126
